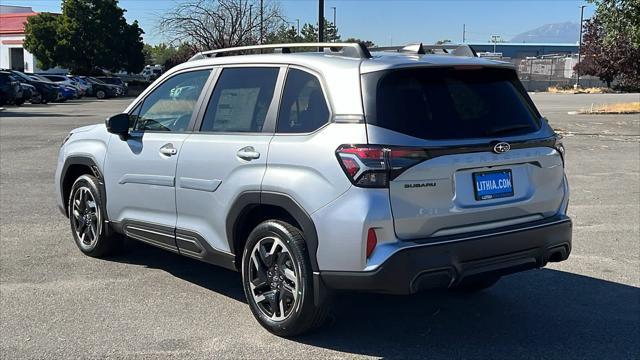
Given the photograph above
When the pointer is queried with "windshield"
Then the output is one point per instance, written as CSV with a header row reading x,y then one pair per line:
x,y
451,103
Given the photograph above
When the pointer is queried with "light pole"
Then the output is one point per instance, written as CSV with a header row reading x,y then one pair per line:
x,y
580,46
494,39
335,28
261,21
320,22
250,24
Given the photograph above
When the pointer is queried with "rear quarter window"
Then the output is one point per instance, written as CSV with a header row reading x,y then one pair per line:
x,y
450,103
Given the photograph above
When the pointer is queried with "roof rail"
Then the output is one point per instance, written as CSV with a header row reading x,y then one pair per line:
x,y
452,49
354,50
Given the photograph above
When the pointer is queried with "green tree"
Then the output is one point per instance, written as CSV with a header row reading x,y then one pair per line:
x,y
89,34
367,43
184,52
309,32
284,35
611,43
43,39
158,54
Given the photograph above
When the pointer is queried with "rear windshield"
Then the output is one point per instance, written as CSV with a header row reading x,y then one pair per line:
x,y
450,103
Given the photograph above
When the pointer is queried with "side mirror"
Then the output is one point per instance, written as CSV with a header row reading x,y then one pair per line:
x,y
118,124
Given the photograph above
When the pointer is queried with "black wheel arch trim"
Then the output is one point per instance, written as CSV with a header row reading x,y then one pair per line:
x,y
95,171
249,199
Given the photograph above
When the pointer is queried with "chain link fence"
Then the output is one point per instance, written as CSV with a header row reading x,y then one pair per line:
x,y
542,72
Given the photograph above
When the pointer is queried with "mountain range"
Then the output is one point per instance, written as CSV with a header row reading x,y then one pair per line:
x,y
566,33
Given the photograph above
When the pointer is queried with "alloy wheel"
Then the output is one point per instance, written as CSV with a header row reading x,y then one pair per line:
x,y
86,217
273,278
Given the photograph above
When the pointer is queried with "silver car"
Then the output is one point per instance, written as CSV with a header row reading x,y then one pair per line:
x,y
394,171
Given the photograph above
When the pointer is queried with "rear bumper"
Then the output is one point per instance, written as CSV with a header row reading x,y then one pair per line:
x,y
441,263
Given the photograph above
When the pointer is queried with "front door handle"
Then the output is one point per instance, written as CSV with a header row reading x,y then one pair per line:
x,y
168,150
248,153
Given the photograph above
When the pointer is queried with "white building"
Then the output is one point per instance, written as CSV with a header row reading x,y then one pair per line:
x,y
12,54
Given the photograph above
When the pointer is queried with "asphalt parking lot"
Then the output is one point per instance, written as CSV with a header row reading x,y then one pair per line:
x,y
146,303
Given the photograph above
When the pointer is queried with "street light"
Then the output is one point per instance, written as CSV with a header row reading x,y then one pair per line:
x,y
580,46
335,28
320,22
494,39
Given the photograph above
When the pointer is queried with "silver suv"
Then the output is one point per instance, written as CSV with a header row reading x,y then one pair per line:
x,y
392,171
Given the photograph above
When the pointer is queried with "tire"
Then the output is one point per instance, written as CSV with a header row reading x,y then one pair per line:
x,y
278,280
476,283
86,217
36,99
100,94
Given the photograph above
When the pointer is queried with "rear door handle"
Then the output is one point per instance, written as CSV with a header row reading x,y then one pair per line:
x,y
248,153
168,150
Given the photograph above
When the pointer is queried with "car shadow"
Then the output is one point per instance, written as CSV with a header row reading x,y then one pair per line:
x,y
535,314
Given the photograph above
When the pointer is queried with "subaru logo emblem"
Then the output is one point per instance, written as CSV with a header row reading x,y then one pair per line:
x,y
501,147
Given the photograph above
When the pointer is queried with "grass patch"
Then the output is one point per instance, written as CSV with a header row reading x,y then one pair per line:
x,y
571,90
617,108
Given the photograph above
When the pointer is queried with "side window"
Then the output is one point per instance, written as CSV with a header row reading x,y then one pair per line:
x,y
169,106
303,108
241,99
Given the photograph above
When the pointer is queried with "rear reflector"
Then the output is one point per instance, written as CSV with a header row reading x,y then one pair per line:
x,y
372,241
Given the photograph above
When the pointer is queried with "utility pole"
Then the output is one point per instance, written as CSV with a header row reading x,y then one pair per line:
x,y
261,21
250,24
320,22
335,28
298,21
464,32
580,46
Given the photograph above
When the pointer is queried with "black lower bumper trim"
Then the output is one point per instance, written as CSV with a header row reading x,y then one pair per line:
x,y
441,265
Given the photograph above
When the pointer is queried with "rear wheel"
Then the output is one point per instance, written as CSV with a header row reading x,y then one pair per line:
x,y
101,94
476,283
278,280
36,98
86,216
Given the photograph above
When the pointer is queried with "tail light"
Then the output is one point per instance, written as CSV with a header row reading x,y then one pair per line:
x,y
559,146
373,166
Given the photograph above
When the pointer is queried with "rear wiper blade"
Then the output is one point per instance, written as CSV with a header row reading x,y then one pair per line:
x,y
507,129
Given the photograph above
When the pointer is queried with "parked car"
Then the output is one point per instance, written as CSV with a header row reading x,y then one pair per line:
x,y
151,73
64,80
393,173
48,90
10,90
69,92
102,90
64,93
114,80
82,84
30,93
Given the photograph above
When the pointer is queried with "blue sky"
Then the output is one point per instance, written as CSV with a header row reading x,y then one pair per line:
x,y
388,21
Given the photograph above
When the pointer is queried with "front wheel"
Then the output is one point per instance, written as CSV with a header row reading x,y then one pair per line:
x,y
86,215
278,280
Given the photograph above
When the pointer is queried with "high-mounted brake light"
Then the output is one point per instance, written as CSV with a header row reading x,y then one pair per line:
x,y
373,166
